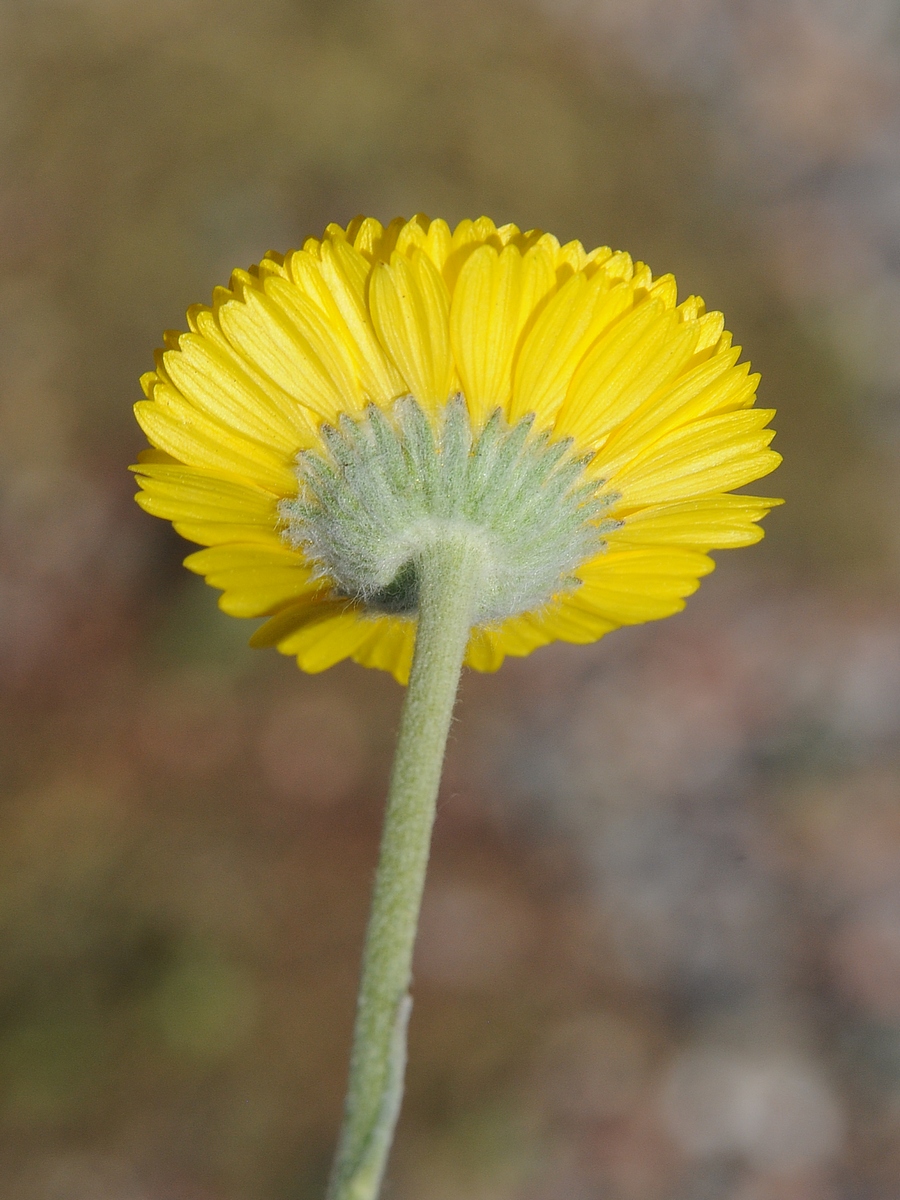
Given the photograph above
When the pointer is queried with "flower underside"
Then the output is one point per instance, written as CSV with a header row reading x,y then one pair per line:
x,y
393,483
339,409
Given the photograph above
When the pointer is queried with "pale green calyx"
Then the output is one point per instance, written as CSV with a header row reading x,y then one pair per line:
x,y
393,484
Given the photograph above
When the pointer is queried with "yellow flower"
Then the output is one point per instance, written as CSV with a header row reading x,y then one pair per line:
x,y
582,351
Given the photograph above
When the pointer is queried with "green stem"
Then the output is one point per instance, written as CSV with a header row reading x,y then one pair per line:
x,y
449,575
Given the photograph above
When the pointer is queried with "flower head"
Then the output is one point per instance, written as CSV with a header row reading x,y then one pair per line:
x,y
339,406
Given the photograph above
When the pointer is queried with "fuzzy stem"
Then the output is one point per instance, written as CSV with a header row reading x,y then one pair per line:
x,y
449,574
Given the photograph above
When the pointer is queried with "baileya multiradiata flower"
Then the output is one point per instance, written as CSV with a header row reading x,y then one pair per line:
x,y
341,406
413,447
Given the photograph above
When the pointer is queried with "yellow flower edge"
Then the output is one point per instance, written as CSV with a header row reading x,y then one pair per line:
x,y
593,346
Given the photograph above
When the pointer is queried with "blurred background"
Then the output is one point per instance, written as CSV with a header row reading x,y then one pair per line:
x,y
660,949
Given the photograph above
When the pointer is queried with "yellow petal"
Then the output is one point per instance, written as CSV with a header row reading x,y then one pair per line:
x,y
292,618
412,236
665,290
420,233
319,632
260,331
181,493
712,455
484,328
330,635
520,635
538,285
713,523
692,308
346,273
484,651
243,597
567,622
644,352
714,386
570,260
619,268
174,425
255,580
248,557
272,263
375,242
221,388
711,327
437,243
631,585
203,321
570,322
389,647
156,457
467,237
217,533
410,310
325,335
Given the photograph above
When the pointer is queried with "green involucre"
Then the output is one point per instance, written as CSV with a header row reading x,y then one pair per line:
x,y
393,484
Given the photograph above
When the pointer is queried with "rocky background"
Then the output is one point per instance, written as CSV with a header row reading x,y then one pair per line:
x,y
660,950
